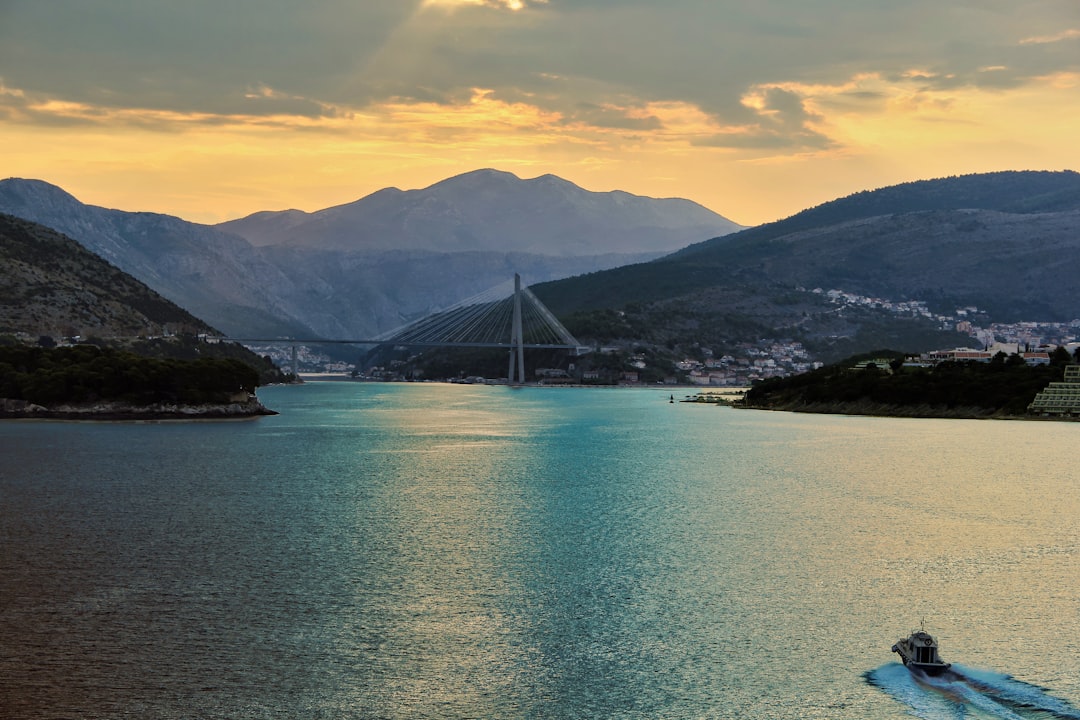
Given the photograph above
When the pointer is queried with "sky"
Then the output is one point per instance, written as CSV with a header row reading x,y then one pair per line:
x,y
214,109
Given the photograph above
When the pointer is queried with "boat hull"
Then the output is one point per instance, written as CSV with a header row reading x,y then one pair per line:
x,y
931,669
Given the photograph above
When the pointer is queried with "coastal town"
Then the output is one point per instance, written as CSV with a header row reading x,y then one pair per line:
x,y
1033,341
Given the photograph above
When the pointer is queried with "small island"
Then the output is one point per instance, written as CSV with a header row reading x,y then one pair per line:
x,y
884,383
86,382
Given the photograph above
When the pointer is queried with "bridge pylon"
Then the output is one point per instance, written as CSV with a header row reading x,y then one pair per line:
x,y
517,344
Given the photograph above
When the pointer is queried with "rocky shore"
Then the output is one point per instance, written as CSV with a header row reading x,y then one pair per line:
x,y
872,409
112,410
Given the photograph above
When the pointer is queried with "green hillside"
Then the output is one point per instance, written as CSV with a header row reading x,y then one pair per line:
x,y
1025,192
53,288
51,285
1007,243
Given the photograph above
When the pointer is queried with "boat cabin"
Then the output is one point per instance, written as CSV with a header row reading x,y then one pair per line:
x,y
920,651
926,654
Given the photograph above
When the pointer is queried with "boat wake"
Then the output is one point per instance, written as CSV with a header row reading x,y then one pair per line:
x,y
964,692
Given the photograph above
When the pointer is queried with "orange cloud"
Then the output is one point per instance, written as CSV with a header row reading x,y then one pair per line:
x,y
1057,37
865,131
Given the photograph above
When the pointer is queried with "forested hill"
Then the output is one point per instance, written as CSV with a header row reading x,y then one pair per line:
x,y
1005,243
1014,192
1027,206
52,285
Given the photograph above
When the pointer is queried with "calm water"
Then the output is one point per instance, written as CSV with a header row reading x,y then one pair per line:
x,y
401,551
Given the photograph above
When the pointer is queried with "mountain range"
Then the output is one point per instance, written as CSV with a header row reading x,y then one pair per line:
x,y
1005,243
492,211
357,270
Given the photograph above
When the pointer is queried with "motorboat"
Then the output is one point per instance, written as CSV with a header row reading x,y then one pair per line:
x,y
919,651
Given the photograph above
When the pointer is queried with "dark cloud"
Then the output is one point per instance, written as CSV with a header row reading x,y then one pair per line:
x,y
196,55
783,122
266,101
614,118
582,58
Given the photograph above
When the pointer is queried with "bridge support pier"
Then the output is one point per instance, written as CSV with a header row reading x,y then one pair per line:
x,y
517,346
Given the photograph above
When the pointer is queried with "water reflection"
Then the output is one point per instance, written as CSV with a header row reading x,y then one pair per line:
x,y
416,550
441,543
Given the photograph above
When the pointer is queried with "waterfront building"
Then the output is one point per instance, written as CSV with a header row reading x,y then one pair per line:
x,y
1060,398
960,354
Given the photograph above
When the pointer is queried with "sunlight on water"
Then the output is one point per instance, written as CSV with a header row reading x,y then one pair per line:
x,y
399,551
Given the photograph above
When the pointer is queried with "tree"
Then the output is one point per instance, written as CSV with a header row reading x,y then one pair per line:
x,y
1060,356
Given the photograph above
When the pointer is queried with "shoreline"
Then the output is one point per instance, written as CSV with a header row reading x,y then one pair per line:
x,y
112,411
865,409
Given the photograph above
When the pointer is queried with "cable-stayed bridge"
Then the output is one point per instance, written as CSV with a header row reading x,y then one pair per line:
x,y
505,316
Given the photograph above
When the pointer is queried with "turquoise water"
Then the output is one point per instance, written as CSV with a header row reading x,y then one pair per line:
x,y
416,550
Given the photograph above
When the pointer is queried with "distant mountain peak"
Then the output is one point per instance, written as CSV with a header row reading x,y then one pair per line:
x,y
484,173
484,176
494,211
37,191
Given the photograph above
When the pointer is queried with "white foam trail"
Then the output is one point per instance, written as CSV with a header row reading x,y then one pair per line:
x,y
897,681
985,702
1017,691
954,694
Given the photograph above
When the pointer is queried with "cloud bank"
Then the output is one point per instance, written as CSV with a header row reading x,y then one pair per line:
x,y
591,82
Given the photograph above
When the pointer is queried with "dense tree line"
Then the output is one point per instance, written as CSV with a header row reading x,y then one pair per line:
x,y
86,373
189,347
1004,386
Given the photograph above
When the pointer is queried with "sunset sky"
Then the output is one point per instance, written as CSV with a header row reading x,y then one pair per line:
x,y
213,109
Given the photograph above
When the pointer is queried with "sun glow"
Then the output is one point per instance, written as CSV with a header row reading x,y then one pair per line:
x,y
504,4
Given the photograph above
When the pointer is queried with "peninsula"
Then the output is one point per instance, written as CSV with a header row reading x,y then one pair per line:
x,y
882,383
85,382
